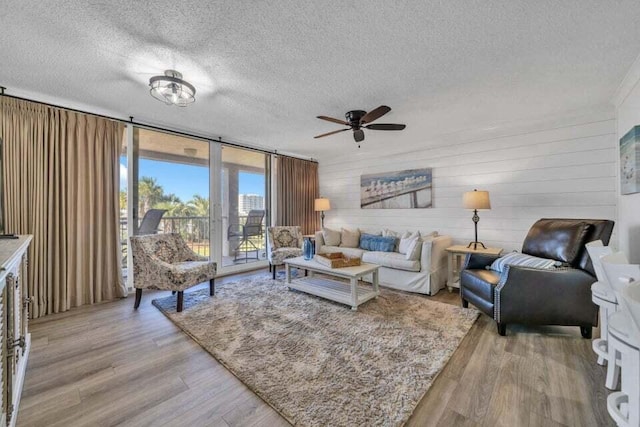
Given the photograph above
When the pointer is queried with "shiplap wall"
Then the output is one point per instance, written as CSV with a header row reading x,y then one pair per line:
x,y
564,171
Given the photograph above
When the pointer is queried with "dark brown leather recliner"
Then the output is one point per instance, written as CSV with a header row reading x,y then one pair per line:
x,y
525,295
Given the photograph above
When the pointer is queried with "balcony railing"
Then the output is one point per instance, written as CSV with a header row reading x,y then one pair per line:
x,y
195,230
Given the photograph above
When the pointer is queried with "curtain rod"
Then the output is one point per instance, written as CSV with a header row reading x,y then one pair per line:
x,y
156,128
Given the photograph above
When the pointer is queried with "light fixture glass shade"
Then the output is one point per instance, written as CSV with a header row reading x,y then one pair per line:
x,y
171,89
476,200
321,204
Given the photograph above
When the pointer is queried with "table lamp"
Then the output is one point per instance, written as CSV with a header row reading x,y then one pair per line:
x,y
476,200
321,205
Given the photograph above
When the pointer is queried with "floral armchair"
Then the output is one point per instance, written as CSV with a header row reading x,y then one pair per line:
x,y
165,262
283,242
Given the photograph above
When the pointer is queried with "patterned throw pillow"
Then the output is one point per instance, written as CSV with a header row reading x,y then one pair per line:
x,y
524,260
370,242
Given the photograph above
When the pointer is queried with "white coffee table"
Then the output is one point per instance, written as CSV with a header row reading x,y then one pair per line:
x,y
350,293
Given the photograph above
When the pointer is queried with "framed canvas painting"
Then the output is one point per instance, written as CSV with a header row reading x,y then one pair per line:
x,y
408,189
630,161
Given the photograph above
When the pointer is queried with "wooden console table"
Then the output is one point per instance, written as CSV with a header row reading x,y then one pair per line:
x,y
456,256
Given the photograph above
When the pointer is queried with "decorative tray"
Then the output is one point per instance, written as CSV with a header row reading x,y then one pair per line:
x,y
337,260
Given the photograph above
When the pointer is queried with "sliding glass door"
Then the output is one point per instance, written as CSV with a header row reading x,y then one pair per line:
x,y
167,183
243,201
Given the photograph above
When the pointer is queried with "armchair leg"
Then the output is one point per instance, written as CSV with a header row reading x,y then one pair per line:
x,y
270,267
586,331
173,292
212,287
274,272
502,329
180,300
136,304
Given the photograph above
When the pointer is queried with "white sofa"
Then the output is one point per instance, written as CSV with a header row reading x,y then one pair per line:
x,y
426,276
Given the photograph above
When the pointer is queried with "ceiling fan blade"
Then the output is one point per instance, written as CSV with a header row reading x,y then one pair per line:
x,y
358,135
331,119
386,126
375,114
330,133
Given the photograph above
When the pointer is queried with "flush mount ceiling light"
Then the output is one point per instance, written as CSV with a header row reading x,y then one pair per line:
x,y
172,90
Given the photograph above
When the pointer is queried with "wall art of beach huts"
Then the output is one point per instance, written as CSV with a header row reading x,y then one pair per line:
x,y
408,189
630,162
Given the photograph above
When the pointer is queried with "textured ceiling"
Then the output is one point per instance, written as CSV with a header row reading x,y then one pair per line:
x,y
264,70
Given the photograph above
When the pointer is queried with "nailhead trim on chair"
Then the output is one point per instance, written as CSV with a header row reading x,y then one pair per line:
x,y
496,297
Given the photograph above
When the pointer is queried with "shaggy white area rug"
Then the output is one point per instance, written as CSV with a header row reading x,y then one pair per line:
x,y
317,362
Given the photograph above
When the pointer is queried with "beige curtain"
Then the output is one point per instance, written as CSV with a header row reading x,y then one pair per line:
x,y
61,184
297,187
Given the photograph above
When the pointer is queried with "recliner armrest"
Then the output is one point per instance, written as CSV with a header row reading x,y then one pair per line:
x,y
554,297
475,261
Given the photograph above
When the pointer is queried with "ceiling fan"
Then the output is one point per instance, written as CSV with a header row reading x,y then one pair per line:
x,y
358,119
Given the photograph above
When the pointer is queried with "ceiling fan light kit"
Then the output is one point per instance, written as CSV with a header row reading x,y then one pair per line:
x,y
357,120
171,89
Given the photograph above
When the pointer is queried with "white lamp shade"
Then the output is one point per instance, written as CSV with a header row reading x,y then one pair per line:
x,y
321,204
476,200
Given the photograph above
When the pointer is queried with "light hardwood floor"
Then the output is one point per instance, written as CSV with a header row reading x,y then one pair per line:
x,y
108,364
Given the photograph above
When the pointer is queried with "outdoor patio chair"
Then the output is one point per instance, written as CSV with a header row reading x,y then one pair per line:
x,y
149,225
243,233
151,222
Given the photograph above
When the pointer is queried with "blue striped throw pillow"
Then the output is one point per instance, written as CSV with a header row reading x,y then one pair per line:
x,y
524,260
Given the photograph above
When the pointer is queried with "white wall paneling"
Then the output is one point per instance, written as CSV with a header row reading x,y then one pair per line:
x,y
560,171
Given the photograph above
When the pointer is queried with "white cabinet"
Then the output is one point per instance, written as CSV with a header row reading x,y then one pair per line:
x,y
14,314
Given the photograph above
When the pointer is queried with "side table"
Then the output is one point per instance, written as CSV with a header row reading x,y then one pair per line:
x,y
456,256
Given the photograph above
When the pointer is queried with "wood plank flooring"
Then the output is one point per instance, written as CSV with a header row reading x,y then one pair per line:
x,y
109,365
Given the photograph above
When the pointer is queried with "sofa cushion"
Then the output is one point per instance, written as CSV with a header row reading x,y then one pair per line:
x,y
523,260
562,240
370,242
350,239
391,260
352,252
331,237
